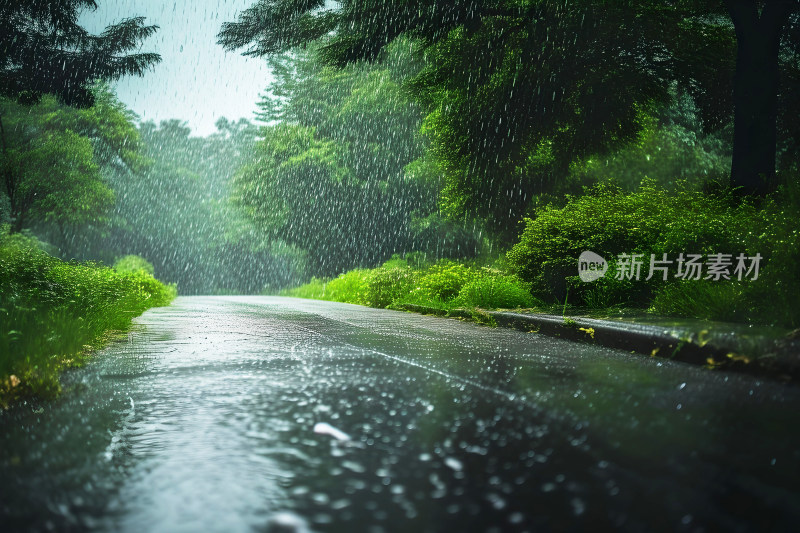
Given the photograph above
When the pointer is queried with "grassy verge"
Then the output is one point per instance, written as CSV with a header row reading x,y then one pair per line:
x,y
541,270
444,285
54,313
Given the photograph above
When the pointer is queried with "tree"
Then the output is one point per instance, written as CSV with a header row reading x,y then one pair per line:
x,y
54,155
298,189
760,27
176,213
108,124
331,175
518,90
52,165
50,175
43,50
509,106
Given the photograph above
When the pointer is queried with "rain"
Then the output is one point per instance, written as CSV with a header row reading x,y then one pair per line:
x,y
318,265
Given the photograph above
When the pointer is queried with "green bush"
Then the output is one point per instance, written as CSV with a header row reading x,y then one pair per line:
x,y
444,285
653,221
444,280
129,264
610,222
772,298
351,287
704,299
395,262
387,285
494,290
52,312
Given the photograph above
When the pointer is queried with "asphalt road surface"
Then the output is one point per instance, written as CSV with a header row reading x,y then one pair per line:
x,y
277,414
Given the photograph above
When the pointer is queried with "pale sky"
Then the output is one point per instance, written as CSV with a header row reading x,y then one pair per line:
x,y
196,81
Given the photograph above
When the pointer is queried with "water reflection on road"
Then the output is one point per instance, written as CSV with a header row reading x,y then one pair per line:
x,y
204,420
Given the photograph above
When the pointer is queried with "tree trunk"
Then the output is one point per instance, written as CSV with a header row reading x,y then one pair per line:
x,y
17,223
10,184
756,92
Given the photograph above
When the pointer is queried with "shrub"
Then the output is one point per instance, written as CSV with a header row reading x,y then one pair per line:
x,y
314,289
387,285
351,287
770,299
703,299
610,222
395,262
129,264
653,221
491,290
444,280
50,311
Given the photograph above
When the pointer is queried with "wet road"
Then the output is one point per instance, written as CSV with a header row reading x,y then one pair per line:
x,y
204,420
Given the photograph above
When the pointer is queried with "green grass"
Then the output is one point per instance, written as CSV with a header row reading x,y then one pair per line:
x,y
313,290
443,285
495,290
54,313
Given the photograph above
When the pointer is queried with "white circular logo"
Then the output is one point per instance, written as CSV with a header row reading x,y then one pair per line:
x,y
591,266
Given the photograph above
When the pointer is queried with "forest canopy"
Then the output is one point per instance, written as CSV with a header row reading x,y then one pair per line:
x,y
515,92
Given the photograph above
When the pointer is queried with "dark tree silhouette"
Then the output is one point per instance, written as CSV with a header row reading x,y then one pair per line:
x,y
755,92
43,50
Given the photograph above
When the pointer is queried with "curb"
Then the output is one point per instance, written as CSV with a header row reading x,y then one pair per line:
x,y
774,358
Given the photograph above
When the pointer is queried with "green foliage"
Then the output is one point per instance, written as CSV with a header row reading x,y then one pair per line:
x,y
274,189
494,290
298,189
336,173
505,129
774,232
176,212
129,264
671,149
55,157
313,290
509,110
708,300
444,285
387,285
53,312
652,220
610,222
43,50
60,182
352,287
108,124
395,262
444,280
